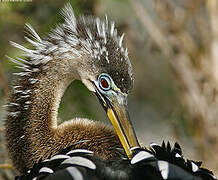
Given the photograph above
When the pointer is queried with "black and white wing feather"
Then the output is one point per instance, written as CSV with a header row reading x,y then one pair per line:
x,y
165,162
158,163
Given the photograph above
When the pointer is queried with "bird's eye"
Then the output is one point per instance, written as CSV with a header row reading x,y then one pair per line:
x,y
104,82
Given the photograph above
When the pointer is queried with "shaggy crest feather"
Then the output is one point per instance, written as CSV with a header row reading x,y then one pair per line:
x,y
74,38
65,41
62,43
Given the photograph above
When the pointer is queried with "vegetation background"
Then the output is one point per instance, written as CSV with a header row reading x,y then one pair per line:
x,y
173,46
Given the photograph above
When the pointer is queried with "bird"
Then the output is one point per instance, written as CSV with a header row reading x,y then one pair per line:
x,y
90,50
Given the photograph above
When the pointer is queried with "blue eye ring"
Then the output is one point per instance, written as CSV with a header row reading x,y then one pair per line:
x,y
104,81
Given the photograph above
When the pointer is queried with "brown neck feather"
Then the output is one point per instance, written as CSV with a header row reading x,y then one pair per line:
x,y
33,134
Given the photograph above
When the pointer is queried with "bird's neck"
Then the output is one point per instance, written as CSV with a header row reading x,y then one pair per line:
x,y
31,124
45,100
31,128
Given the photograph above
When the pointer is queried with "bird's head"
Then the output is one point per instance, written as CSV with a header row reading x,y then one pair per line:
x,y
111,86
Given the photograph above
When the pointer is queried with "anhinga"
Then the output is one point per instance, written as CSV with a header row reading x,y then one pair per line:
x,y
90,50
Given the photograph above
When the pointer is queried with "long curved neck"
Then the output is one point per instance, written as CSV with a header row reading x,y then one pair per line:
x,y
31,127
32,114
46,98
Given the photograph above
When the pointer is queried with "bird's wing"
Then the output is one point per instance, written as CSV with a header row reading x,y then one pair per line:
x,y
165,162
157,163
73,165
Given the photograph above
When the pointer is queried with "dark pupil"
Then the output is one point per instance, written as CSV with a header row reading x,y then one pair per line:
x,y
104,83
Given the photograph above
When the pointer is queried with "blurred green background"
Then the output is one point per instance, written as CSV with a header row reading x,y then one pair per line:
x,y
173,48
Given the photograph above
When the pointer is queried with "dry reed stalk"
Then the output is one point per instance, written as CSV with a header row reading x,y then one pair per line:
x,y
6,166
